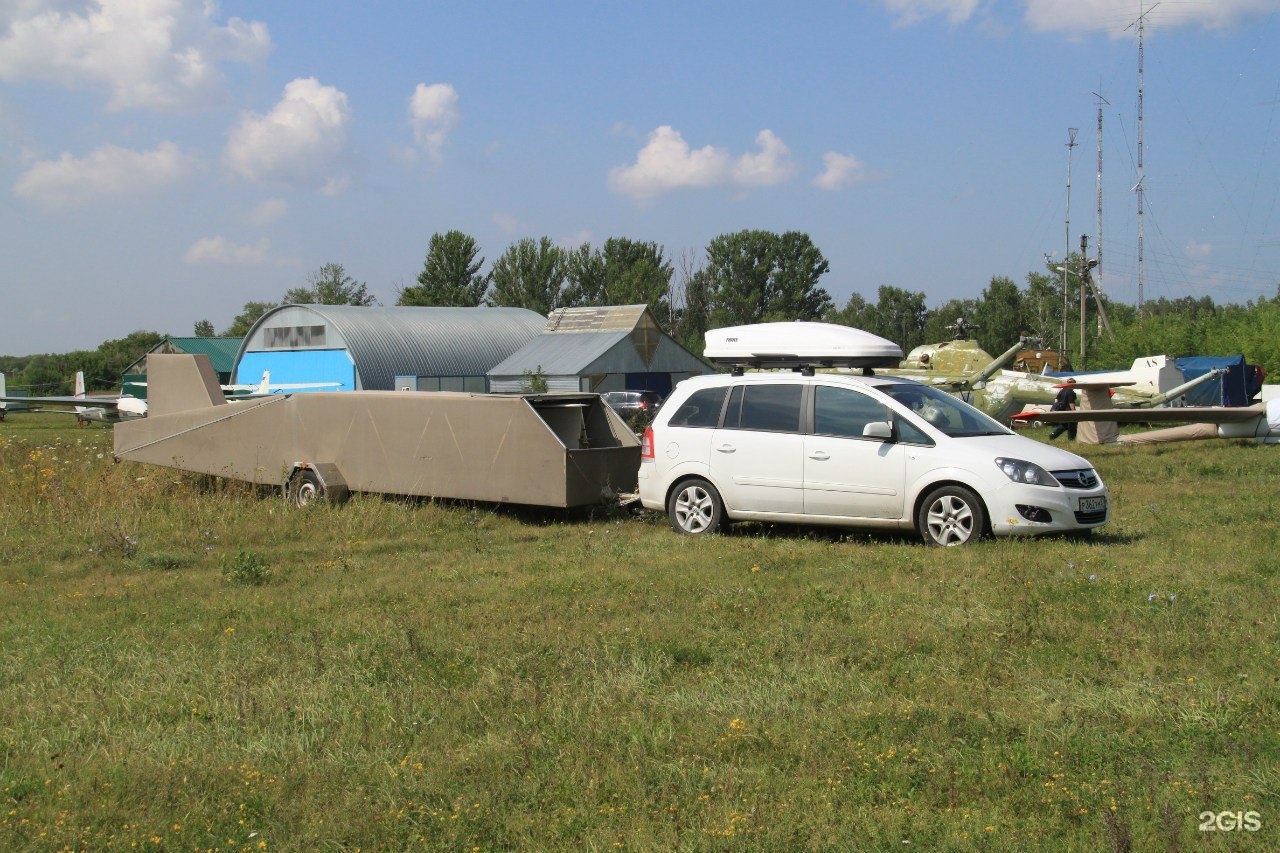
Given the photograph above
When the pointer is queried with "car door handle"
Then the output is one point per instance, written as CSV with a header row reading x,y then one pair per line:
x,y
727,448
819,455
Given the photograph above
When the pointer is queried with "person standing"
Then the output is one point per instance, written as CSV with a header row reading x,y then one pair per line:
x,y
1065,402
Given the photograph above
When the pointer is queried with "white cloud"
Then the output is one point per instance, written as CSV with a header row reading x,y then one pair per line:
x,y
839,170
911,12
433,112
1088,15
298,143
1197,250
667,163
220,250
269,211
108,171
772,165
507,223
1116,15
159,54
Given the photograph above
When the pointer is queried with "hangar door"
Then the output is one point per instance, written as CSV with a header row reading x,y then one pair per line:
x,y
292,366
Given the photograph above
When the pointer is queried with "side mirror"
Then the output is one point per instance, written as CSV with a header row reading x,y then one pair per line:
x,y
882,430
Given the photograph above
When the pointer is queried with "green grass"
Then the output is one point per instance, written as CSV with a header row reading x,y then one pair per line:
x,y
189,664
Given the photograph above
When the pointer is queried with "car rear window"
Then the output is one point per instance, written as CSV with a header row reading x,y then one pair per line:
x,y
702,409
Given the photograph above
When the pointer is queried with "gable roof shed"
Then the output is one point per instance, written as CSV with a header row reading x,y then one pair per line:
x,y
593,343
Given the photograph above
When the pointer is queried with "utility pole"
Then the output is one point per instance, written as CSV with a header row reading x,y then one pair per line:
x,y
1084,271
1066,293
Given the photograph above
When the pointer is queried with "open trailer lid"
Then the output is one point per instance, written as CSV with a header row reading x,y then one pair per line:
x,y
797,344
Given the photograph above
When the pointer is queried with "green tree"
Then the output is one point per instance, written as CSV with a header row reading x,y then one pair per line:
x,y
793,292
450,274
999,315
900,316
585,277
759,276
623,272
940,325
330,285
248,315
204,329
529,274
855,312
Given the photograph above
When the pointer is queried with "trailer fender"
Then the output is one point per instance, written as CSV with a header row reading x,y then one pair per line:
x,y
313,482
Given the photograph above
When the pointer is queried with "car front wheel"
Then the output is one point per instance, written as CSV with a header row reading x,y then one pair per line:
x,y
695,508
951,515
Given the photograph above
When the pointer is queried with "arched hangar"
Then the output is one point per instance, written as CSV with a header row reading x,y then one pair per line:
x,y
367,347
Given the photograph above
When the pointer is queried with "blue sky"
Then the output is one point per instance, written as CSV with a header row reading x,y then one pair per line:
x,y
166,161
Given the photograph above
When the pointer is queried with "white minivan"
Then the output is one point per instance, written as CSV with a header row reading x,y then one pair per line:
x,y
855,450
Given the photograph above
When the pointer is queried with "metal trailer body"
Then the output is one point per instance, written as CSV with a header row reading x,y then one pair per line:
x,y
555,450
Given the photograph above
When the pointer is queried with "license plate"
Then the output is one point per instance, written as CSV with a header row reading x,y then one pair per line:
x,y
1098,504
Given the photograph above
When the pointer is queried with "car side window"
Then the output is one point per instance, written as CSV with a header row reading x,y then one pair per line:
x,y
769,408
702,409
844,412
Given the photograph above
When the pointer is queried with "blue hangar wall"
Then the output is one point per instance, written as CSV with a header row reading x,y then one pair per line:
x,y
367,347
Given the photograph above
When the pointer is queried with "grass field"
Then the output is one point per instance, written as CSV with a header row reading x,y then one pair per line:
x,y
188,664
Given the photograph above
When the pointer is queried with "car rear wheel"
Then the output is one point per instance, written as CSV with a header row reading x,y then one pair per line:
x,y
695,508
951,515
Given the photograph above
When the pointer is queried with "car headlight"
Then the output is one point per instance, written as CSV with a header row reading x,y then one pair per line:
x,y
1021,471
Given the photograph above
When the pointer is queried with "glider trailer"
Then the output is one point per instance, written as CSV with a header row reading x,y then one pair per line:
x,y
553,450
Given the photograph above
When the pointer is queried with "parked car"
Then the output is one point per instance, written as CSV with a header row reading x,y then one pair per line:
x,y
634,406
861,451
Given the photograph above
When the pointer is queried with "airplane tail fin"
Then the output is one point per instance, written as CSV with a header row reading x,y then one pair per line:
x,y
181,383
79,383
3,392
265,388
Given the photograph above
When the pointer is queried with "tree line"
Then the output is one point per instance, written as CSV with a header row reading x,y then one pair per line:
x,y
749,276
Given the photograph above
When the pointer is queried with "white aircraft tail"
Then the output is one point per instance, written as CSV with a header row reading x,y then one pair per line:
x,y
80,383
265,386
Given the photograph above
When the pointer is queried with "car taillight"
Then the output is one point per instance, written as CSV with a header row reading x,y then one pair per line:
x,y
646,444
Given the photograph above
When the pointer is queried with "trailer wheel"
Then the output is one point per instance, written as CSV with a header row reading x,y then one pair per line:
x,y
305,488
695,508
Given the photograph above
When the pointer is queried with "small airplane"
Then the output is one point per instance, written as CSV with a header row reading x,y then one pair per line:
x,y
266,388
113,408
104,408
1260,421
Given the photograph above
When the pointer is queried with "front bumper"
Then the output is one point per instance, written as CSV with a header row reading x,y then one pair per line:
x,y
1022,509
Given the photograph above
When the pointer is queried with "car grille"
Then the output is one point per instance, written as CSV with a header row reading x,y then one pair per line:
x,y
1081,479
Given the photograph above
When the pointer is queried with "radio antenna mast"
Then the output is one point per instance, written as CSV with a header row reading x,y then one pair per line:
x,y
1141,24
1098,239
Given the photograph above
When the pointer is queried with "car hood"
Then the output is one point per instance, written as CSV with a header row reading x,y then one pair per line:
x,y
1020,447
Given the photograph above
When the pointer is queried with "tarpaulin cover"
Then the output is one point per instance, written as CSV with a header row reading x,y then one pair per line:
x,y
1236,387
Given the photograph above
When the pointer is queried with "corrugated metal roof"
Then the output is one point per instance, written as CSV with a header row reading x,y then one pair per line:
x,y
603,318
557,354
221,351
389,341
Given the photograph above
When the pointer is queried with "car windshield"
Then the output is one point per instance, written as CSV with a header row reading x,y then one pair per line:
x,y
942,411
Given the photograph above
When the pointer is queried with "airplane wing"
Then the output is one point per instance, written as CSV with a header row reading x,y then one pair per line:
x,y
1183,415
82,402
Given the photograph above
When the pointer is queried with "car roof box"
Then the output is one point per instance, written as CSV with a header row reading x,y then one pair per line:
x,y
799,344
